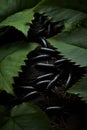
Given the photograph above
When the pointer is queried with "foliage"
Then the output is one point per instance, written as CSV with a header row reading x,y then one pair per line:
x,y
24,117
12,56
71,42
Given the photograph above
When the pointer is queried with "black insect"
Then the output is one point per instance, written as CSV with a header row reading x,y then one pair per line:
x,y
45,66
53,82
30,96
45,76
57,62
54,110
68,80
42,41
41,85
48,51
38,58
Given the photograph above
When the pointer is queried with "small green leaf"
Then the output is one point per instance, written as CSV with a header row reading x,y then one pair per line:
x,y
25,117
80,88
12,56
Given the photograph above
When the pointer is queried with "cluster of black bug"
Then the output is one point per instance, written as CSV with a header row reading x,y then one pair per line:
x,y
45,68
42,27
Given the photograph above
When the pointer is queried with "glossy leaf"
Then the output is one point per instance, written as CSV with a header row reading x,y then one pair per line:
x,y
25,117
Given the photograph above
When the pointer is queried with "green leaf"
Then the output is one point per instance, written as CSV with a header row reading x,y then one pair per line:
x,y
76,37
19,20
70,50
9,7
80,88
25,117
12,56
80,5
17,13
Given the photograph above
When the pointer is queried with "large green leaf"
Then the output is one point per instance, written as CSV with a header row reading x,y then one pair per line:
x,y
12,56
73,45
8,7
80,5
25,117
80,88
